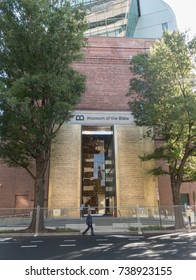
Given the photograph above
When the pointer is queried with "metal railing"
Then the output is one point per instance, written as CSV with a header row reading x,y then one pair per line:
x,y
105,219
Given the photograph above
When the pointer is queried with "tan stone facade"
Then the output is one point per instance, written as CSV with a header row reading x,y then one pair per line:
x,y
133,185
65,170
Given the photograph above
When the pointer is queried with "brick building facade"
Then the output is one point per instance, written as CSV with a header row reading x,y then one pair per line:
x,y
101,119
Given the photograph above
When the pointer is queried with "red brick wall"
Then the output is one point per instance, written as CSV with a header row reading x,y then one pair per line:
x,y
16,185
14,181
106,65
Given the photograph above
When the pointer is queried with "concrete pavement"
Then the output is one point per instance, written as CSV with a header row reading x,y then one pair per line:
x,y
99,230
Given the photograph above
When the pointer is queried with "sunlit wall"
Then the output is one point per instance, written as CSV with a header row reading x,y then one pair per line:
x,y
128,18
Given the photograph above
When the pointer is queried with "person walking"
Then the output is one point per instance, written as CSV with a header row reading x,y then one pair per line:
x,y
82,210
89,222
189,213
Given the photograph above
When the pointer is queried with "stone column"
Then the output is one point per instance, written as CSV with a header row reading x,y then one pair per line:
x,y
65,172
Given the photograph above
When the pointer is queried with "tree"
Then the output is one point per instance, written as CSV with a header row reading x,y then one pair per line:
x,y
162,98
39,41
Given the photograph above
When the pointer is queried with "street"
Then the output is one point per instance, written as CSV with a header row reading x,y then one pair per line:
x,y
170,246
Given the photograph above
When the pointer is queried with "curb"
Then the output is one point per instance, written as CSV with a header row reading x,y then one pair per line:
x,y
20,234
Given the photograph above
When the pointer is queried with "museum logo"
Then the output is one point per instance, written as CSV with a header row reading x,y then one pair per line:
x,y
79,117
101,118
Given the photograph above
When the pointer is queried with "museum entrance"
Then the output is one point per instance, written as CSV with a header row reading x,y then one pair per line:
x,y
98,170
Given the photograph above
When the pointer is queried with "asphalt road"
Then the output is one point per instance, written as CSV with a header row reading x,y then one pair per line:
x,y
175,246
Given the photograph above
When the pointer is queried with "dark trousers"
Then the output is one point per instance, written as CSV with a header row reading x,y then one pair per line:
x,y
89,226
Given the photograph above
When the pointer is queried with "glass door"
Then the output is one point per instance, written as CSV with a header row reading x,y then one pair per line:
x,y
98,172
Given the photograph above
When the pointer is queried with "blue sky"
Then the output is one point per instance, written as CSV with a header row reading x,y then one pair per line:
x,y
185,11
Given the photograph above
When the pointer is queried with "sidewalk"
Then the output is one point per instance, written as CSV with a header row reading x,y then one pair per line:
x,y
99,230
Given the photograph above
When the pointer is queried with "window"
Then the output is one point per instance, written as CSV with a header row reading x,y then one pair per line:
x,y
164,26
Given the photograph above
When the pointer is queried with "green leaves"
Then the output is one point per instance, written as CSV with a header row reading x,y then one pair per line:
x,y
39,41
162,96
47,35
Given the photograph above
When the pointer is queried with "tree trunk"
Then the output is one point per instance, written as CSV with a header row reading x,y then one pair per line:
x,y
38,225
175,185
